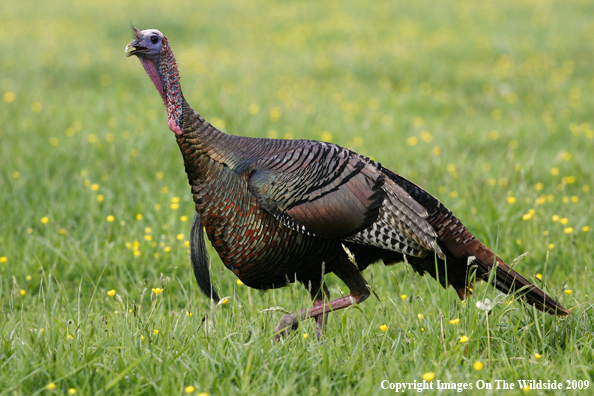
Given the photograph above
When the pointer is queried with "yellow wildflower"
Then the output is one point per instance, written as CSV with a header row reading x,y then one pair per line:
x,y
189,389
585,228
420,316
428,376
478,366
536,355
180,237
568,292
455,321
3,259
111,293
110,218
51,386
71,391
189,314
539,276
568,230
384,328
239,282
45,220
305,336
9,96
23,292
275,114
463,339
426,136
224,300
156,332
403,297
157,290
511,200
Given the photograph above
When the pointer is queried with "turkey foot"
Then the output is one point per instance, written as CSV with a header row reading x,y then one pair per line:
x,y
319,311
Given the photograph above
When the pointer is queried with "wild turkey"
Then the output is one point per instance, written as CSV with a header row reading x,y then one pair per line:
x,y
277,210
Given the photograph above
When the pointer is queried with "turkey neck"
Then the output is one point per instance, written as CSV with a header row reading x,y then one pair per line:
x,y
197,139
165,75
194,134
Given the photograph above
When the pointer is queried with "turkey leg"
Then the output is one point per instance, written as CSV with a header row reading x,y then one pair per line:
x,y
351,276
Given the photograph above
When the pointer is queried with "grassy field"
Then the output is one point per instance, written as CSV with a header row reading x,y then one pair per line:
x,y
488,105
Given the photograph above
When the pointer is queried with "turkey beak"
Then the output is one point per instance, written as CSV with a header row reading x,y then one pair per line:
x,y
133,47
129,47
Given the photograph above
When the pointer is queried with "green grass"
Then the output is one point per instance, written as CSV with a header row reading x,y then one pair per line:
x,y
477,102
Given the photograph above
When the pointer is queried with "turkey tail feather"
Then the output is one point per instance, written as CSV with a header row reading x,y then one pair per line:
x,y
200,261
459,245
509,281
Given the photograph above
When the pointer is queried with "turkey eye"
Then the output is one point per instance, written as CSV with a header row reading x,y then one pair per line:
x,y
154,39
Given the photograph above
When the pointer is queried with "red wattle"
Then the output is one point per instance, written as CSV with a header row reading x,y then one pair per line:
x,y
174,127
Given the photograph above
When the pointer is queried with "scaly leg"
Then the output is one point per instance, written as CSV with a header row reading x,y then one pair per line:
x,y
318,298
351,276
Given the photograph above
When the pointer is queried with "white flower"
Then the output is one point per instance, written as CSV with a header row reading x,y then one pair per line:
x,y
486,305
